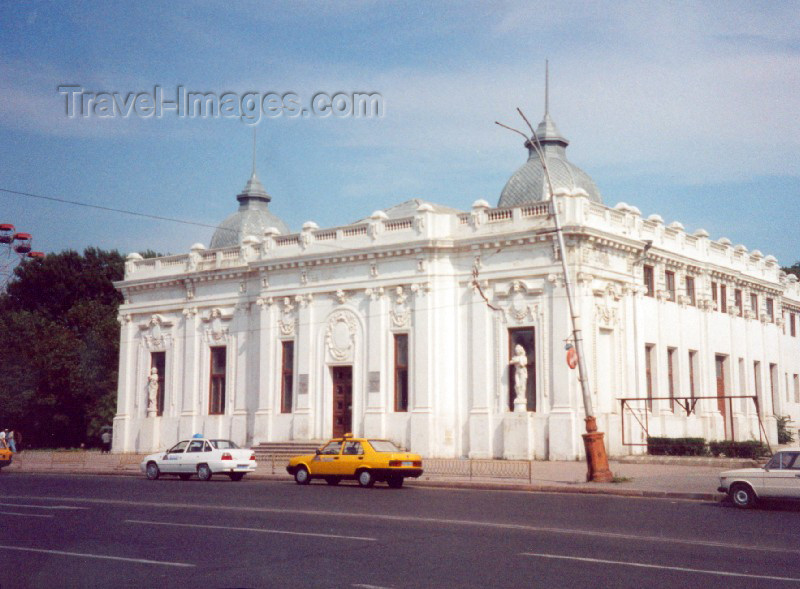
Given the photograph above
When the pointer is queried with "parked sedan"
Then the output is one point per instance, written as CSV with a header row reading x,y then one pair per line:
x,y
365,460
778,479
203,457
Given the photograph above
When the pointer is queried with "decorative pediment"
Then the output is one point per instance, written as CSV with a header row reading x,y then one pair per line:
x,y
516,299
217,325
400,312
156,332
340,336
288,317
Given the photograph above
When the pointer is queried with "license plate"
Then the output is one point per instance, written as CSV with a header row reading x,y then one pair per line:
x,y
408,464
242,466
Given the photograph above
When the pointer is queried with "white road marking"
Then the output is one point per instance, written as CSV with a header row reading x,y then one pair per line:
x,y
210,527
429,521
370,586
43,506
25,514
663,567
100,556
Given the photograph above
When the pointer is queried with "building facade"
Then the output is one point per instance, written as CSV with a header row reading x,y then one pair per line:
x,y
403,326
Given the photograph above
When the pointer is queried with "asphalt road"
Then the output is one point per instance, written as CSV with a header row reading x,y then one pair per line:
x,y
82,531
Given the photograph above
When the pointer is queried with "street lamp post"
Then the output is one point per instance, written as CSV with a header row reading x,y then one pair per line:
x,y
596,458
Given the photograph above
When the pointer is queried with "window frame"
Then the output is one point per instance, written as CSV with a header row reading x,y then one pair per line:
x,y
649,275
401,374
669,284
217,381
531,403
738,300
161,366
690,291
723,298
754,304
287,376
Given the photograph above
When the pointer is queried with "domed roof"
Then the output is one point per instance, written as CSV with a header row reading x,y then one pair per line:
x,y
528,184
252,217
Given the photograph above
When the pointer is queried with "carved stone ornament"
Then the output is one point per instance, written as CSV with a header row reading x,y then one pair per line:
x,y
217,330
189,312
340,336
156,334
606,316
374,293
400,314
286,323
340,296
419,223
518,306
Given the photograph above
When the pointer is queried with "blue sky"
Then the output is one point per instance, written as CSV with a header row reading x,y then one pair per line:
x,y
688,110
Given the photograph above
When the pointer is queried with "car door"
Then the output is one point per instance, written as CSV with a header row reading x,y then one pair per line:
x,y
327,461
352,456
173,459
194,456
782,476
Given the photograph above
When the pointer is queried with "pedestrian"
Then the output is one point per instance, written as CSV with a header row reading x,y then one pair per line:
x,y
11,441
3,439
105,437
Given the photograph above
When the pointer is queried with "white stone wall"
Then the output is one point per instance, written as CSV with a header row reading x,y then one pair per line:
x,y
341,294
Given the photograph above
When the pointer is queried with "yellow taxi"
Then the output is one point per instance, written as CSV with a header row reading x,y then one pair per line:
x,y
5,457
364,459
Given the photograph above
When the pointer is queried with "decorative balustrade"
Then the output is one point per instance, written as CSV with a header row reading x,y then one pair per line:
x,y
353,231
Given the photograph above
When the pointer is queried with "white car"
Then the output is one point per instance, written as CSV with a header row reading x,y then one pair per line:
x,y
203,457
778,479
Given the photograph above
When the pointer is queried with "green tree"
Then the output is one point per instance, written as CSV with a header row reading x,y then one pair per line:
x,y
60,345
793,269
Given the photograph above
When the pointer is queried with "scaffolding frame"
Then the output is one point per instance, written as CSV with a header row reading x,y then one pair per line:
x,y
688,404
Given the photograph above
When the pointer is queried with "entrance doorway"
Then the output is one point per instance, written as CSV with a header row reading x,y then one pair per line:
x,y
342,400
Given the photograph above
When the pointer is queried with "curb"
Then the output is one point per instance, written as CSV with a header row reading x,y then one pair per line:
x,y
445,484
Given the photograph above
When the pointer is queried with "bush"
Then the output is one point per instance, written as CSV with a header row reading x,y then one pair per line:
x,y
750,449
784,434
658,446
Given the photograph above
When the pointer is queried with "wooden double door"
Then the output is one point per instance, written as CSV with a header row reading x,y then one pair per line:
x,y
342,400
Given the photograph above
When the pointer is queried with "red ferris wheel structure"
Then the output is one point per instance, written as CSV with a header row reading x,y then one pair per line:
x,y
14,247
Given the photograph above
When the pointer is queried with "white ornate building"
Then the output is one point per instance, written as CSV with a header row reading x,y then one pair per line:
x,y
402,326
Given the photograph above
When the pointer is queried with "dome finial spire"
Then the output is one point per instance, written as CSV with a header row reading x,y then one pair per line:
x,y
254,150
546,87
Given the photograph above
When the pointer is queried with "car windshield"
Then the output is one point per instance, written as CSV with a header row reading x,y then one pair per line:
x,y
223,444
383,446
179,447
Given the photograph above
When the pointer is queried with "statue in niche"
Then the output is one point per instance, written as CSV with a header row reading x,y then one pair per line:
x,y
152,392
520,363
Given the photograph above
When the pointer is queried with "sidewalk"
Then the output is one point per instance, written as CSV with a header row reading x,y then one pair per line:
x,y
637,477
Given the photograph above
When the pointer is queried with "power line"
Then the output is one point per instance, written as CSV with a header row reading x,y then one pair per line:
x,y
111,209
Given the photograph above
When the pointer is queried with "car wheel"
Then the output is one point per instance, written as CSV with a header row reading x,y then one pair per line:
x,y
152,471
365,478
203,472
332,480
236,476
742,496
395,482
185,476
301,476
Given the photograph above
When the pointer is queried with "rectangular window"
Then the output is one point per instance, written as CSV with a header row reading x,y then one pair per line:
x,y
792,326
216,403
158,361
649,281
287,376
401,372
723,298
714,296
797,388
737,300
690,291
671,376
692,368
770,310
669,279
648,361
522,376
754,305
